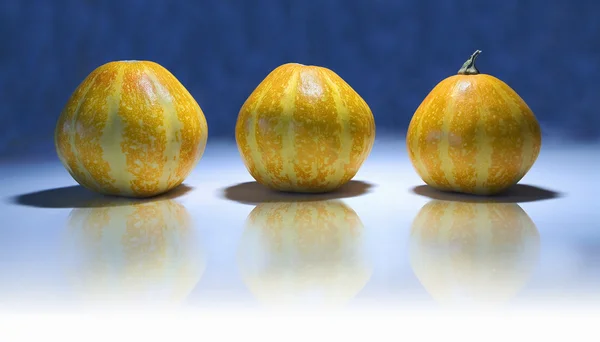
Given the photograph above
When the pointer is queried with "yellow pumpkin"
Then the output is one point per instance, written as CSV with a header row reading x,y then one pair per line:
x,y
304,129
303,253
145,251
479,253
473,134
130,129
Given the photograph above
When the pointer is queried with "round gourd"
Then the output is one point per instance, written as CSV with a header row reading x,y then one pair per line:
x,y
473,134
146,251
303,253
130,129
304,129
473,253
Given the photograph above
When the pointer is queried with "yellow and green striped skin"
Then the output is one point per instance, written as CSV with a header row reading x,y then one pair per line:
x,y
131,129
304,129
144,251
292,249
480,252
473,134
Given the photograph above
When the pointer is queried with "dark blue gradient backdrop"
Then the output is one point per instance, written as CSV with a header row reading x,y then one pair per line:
x,y
391,51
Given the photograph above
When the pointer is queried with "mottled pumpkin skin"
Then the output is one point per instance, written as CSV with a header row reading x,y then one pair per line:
x,y
131,129
473,253
146,251
304,129
473,134
303,253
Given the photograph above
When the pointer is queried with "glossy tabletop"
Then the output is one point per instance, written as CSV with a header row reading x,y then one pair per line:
x,y
221,241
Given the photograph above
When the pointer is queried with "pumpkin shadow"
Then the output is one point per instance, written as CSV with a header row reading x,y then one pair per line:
x,y
255,193
518,193
77,196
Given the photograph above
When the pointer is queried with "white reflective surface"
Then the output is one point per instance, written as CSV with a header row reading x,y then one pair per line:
x,y
224,242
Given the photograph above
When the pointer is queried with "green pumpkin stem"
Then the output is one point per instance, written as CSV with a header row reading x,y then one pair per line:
x,y
469,67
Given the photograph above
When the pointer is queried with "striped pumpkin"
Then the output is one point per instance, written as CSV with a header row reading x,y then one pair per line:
x,y
130,129
144,251
473,134
473,252
292,252
304,129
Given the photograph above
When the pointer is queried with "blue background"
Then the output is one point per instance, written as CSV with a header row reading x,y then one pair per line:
x,y
391,52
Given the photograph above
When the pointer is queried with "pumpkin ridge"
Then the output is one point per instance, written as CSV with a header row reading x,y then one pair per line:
x,y
62,140
286,126
111,138
193,129
80,172
242,132
345,155
429,143
520,116
515,115
173,138
462,134
267,118
255,154
483,160
143,137
319,139
85,177
449,115
413,137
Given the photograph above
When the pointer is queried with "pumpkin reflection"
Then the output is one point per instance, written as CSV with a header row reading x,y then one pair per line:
x,y
143,251
473,252
303,253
